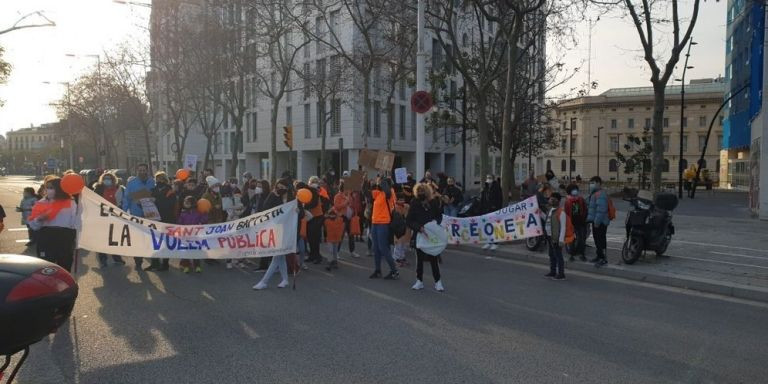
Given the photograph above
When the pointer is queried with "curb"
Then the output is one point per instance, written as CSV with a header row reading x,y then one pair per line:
x,y
739,291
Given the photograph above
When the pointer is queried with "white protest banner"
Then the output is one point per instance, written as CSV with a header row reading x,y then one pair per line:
x,y
401,175
515,222
108,229
190,162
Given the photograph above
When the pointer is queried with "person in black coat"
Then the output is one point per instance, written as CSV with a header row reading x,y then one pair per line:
x,y
166,203
424,208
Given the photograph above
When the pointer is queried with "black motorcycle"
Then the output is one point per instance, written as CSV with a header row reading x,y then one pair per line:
x,y
649,226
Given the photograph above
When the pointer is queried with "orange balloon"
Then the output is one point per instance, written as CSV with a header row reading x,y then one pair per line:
x,y
203,206
72,184
304,195
182,174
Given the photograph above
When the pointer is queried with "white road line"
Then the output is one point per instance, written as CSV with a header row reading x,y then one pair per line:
x,y
707,260
739,255
17,229
22,241
722,246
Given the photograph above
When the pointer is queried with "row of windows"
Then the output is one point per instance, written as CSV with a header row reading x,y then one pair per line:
x,y
613,165
703,123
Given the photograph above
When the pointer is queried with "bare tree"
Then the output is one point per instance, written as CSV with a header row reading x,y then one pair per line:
x,y
20,23
648,16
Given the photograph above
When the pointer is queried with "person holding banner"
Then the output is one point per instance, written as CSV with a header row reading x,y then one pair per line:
x,y
57,221
452,198
138,188
424,209
317,207
381,216
108,188
189,215
278,197
165,201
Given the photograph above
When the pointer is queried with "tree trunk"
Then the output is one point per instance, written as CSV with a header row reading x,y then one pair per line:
x,y
208,140
236,143
507,179
366,106
273,146
482,130
658,138
390,122
323,141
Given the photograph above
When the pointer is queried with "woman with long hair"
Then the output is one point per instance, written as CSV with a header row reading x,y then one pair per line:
x,y
55,217
279,196
424,208
108,188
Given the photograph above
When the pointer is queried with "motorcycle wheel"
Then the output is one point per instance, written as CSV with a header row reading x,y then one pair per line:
x,y
533,243
632,249
664,245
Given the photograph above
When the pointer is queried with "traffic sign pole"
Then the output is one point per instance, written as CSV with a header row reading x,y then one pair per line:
x,y
421,62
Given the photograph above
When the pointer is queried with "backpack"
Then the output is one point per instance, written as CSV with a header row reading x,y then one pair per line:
x,y
570,236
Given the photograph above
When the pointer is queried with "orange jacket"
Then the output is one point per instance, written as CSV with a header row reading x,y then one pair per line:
x,y
381,207
334,229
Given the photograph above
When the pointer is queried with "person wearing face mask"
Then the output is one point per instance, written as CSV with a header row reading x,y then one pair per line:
x,y
318,206
165,201
56,219
190,216
137,188
556,229
257,194
383,196
576,209
452,198
552,180
278,263
216,214
25,207
107,188
598,216
423,210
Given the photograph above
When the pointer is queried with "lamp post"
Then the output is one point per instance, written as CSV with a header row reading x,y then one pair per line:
x,y
570,152
421,63
618,145
598,149
682,117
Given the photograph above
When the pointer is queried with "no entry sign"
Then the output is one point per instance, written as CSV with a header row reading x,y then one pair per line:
x,y
421,102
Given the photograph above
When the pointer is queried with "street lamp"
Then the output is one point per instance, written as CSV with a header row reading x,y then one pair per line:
x,y
618,145
598,149
682,117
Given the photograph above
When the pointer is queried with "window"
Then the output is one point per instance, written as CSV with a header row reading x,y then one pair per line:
x,y
613,166
401,128
719,142
402,89
614,124
319,29
464,40
335,21
320,118
564,146
376,119
367,123
307,121
573,165
307,87
685,122
549,165
573,123
254,127
666,143
226,143
565,125
631,123
647,124
614,143
437,55
572,148
563,165
376,80
335,66
702,140
289,86
717,165
288,115
335,117
685,144
702,121
665,168
665,122
434,134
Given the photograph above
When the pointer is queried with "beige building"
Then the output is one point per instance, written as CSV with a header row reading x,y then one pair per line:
x,y
606,120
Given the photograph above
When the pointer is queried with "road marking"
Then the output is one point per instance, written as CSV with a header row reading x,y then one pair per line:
x,y
707,260
17,229
722,246
22,241
739,255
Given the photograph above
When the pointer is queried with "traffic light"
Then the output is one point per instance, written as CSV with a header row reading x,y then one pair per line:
x,y
288,136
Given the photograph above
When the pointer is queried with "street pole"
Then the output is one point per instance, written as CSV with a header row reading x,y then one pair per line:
x,y
464,138
598,150
570,153
421,63
682,117
618,140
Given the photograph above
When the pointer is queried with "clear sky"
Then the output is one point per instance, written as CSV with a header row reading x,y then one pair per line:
x,y
87,27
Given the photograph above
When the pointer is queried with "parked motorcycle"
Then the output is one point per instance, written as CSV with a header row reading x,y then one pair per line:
x,y
470,207
649,225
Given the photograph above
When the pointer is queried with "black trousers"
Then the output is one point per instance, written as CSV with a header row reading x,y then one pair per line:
x,y
556,262
349,237
421,257
601,243
57,245
314,235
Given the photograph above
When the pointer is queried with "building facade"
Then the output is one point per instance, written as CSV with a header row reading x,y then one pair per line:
x,y
585,123
27,149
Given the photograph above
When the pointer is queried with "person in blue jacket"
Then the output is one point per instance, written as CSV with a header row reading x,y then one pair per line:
x,y
131,204
598,216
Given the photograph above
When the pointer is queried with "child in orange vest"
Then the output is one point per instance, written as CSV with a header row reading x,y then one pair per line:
x,y
334,232
556,227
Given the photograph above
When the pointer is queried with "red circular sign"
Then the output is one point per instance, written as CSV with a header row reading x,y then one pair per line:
x,y
421,102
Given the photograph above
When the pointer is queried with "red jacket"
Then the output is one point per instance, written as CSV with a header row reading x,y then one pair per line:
x,y
576,208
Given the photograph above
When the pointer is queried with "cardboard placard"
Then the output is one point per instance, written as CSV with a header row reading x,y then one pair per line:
x,y
401,175
190,162
141,194
385,161
367,158
354,182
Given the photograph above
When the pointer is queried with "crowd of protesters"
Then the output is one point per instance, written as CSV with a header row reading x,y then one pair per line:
x,y
367,215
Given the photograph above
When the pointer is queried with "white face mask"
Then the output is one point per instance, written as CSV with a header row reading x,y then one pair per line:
x,y
592,186
258,190
489,181
50,193
314,185
108,182
575,192
216,189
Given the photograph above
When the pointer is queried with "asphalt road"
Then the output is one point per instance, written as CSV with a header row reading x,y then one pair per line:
x,y
498,321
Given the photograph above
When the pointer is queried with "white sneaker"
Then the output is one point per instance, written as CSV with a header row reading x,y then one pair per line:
x,y
283,284
229,265
487,246
355,255
439,286
418,285
493,247
304,267
260,286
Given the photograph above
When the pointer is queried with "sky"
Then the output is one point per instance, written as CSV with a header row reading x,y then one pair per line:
x,y
90,27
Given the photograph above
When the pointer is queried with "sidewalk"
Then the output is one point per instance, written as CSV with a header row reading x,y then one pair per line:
x,y
717,248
